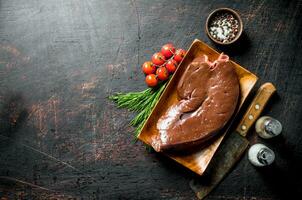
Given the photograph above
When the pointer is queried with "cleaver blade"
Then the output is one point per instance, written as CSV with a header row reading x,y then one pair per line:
x,y
233,146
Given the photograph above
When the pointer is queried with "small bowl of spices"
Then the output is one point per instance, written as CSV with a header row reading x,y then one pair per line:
x,y
224,26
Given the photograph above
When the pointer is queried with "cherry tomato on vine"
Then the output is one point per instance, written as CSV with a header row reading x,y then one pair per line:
x,y
168,50
148,68
162,73
171,66
151,80
158,58
179,55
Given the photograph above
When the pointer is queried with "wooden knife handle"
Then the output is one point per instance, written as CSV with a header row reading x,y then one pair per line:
x,y
260,100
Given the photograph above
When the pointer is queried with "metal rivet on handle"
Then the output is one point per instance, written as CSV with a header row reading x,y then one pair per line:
x,y
251,117
257,106
243,127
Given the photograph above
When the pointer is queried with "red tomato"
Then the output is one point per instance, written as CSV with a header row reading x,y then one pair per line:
x,y
168,50
148,68
158,58
162,73
151,80
179,55
171,66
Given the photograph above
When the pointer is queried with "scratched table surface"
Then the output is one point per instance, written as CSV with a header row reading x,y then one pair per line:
x,y
61,138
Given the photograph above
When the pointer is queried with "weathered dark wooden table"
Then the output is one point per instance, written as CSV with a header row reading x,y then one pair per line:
x,y
59,60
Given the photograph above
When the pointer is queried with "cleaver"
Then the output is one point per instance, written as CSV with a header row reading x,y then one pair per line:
x,y
233,145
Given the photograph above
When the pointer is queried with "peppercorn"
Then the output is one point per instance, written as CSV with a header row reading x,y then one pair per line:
x,y
224,27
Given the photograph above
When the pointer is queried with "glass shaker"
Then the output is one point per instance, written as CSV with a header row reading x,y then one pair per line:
x,y
260,155
268,127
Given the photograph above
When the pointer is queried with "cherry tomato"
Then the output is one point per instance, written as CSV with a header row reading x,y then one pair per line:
x,y
179,55
162,73
168,50
171,66
158,58
148,68
151,80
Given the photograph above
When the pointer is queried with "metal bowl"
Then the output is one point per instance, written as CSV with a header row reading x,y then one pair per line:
x,y
221,11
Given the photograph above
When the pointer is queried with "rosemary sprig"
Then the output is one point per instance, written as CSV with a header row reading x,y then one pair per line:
x,y
142,102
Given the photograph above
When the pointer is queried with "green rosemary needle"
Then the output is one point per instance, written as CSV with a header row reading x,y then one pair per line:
x,y
141,102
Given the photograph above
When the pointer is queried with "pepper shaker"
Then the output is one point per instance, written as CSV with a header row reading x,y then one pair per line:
x,y
268,127
260,155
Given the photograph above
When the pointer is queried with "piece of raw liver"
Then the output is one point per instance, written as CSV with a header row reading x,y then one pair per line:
x,y
208,94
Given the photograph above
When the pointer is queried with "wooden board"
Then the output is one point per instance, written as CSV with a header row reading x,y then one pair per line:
x,y
199,159
63,58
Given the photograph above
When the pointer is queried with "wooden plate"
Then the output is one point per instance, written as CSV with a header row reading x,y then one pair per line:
x,y
199,160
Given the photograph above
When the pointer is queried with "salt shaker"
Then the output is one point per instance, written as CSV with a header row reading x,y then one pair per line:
x,y
260,155
268,127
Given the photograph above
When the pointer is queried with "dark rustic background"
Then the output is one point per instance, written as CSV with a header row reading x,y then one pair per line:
x,y
59,60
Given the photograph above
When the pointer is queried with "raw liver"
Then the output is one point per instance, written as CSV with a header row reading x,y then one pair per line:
x,y
208,95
